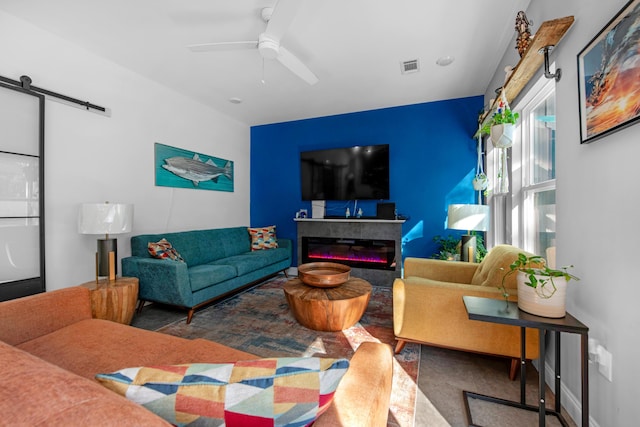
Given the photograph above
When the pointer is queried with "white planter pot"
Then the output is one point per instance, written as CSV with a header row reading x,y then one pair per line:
x,y
542,301
502,135
480,182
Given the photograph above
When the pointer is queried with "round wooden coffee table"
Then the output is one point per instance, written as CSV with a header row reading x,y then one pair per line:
x,y
328,309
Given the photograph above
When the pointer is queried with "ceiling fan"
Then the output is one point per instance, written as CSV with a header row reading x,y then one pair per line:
x,y
278,19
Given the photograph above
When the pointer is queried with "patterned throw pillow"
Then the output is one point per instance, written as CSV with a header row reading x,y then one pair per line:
x,y
163,250
263,238
263,392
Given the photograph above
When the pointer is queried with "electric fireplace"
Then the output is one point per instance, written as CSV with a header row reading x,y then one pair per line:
x,y
360,253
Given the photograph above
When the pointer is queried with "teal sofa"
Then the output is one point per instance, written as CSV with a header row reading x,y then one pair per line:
x,y
217,263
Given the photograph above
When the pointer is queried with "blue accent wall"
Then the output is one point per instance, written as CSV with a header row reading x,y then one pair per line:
x,y
432,162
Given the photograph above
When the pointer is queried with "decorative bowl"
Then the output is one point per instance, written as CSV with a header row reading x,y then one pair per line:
x,y
324,274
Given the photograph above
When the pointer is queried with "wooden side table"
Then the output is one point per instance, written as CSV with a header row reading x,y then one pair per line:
x,y
115,301
328,309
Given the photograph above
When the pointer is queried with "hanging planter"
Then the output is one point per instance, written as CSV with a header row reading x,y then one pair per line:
x,y
502,135
501,125
480,182
502,177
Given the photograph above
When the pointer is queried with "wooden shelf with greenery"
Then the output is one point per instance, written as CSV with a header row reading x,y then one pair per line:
x,y
549,34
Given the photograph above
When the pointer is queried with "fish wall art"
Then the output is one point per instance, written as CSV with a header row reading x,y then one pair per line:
x,y
180,168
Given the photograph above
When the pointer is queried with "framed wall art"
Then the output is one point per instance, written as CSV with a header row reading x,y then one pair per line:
x,y
175,167
609,76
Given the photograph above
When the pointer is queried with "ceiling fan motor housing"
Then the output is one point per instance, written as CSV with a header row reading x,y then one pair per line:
x,y
268,46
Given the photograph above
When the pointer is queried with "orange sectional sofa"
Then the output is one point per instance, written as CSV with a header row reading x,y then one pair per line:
x,y
51,349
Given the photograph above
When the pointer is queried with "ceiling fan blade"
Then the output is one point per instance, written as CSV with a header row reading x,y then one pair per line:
x,y
296,66
283,14
208,47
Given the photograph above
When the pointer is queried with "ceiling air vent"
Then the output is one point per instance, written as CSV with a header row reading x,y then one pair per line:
x,y
411,66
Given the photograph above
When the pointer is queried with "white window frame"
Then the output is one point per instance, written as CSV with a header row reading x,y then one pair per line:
x,y
525,191
512,211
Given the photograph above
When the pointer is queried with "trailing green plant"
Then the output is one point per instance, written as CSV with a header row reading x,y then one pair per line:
x,y
481,250
447,247
539,275
503,115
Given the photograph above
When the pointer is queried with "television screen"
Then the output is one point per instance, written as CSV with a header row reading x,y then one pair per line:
x,y
353,173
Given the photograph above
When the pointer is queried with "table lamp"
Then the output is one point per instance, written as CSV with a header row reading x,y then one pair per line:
x,y
105,218
468,217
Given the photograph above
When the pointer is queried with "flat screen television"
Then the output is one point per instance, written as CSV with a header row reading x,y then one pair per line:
x,y
352,173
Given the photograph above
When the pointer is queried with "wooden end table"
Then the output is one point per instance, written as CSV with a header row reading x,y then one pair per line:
x,y
494,311
115,301
328,309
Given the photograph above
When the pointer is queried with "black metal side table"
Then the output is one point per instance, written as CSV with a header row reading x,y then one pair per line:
x,y
498,311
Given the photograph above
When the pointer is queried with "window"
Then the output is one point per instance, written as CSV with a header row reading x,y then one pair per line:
x,y
526,216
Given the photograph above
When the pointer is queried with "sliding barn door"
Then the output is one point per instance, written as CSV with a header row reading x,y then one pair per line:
x,y
21,192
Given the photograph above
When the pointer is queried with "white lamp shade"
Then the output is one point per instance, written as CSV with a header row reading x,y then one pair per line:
x,y
468,217
105,218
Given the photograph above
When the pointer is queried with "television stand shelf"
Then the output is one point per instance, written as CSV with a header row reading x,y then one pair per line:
x,y
351,219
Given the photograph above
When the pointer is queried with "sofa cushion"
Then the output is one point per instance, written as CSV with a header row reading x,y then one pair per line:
x,y
203,276
276,391
163,250
263,238
252,261
495,265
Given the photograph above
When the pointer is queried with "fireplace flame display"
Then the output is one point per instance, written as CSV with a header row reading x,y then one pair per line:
x,y
360,253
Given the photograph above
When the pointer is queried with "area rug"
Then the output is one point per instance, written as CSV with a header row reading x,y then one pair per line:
x,y
258,321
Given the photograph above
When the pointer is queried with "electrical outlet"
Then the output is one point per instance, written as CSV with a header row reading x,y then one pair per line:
x,y
593,350
605,363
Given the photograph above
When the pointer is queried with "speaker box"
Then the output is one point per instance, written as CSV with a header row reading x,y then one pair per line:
x,y
386,211
317,209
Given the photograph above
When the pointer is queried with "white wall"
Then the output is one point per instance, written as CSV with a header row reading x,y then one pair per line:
x,y
597,202
94,158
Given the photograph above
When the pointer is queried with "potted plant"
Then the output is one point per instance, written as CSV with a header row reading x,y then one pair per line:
x,y
480,182
448,248
501,126
541,289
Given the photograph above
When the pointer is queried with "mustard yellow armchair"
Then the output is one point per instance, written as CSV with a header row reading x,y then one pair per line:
x,y
428,307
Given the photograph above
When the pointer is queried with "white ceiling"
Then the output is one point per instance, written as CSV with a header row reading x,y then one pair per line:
x,y
355,47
